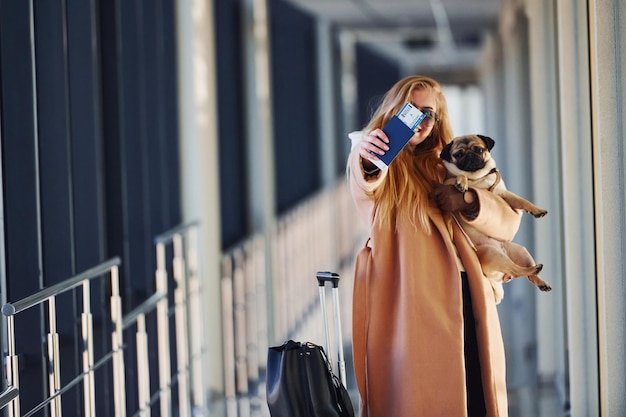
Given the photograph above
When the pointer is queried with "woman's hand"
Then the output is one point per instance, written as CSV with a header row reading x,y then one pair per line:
x,y
372,145
448,198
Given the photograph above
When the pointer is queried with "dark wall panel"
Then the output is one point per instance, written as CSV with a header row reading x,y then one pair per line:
x,y
85,133
133,138
140,133
294,82
141,152
375,75
111,112
153,116
168,116
292,35
89,135
88,211
231,116
22,234
52,105
54,144
19,152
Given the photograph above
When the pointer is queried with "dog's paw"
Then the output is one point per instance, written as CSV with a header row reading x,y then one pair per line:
x,y
538,268
545,287
462,183
539,213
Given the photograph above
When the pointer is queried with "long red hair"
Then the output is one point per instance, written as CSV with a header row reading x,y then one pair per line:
x,y
410,178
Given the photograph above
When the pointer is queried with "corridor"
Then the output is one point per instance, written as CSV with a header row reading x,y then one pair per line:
x,y
174,175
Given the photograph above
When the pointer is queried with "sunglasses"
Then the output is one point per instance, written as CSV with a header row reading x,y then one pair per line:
x,y
429,117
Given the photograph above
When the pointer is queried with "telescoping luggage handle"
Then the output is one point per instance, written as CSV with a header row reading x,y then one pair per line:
x,y
322,279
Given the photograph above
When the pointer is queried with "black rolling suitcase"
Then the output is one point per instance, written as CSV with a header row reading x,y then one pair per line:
x,y
300,380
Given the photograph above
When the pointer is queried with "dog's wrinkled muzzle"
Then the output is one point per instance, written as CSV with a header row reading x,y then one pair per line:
x,y
470,162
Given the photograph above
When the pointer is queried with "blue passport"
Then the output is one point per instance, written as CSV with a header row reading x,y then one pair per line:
x,y
399,130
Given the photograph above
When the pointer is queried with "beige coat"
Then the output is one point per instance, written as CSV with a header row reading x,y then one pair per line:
x,y
408,320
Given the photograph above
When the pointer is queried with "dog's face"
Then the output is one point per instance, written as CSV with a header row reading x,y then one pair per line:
x,y
468,153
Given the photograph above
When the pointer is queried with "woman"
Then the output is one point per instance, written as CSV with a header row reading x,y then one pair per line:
x,y
426,335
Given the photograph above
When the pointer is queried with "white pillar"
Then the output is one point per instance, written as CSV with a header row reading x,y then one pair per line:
x,y
550,307
349,90
260,136
198,161
578,217
326,99
513,154
327,111
490,75
607,37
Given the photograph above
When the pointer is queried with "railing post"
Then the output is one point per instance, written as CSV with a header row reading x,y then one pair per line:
x,y
13,378
54,377
117,341
87,333
228,329
143,367
163,332
241,343
182,340
195,314
251,297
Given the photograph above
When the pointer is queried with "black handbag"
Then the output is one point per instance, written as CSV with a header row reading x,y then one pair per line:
x,y
300,383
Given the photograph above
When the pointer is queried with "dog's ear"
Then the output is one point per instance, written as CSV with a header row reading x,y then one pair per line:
x,y
445,153
488,141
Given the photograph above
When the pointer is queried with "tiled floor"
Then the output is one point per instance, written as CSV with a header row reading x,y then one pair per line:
x,y
539,401
524,402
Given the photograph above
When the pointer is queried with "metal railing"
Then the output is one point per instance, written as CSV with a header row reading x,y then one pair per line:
x,y
7,396
320,234
187,312
48,296
189,342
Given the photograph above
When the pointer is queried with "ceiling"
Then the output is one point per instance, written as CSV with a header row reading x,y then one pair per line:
x,y
427,36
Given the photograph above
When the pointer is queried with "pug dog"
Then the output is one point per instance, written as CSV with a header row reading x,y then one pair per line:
x,y
469,164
